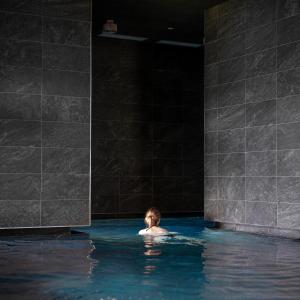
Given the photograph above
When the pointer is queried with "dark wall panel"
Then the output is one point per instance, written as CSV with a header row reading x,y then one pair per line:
x,y
44,113
252,115
147,119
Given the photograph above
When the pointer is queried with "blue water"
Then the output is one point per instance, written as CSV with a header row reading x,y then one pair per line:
x,y
110,261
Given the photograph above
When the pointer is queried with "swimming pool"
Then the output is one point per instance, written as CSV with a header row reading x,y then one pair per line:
x,y
110,261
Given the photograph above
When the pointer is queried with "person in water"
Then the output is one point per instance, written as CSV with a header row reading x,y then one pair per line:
x,y
152,220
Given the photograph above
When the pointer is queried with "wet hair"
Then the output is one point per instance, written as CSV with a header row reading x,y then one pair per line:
x,y
154,215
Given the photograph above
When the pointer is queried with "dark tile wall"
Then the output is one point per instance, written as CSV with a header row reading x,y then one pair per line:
x,y
147,128
252,113
44,113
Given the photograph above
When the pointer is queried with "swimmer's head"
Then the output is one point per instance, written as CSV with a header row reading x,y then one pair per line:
x,y
152,217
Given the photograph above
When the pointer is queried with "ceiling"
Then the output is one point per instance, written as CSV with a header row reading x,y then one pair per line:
x,y
175,20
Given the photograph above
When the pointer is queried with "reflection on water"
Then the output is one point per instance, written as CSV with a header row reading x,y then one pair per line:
x,y
34,269
242,266
113,262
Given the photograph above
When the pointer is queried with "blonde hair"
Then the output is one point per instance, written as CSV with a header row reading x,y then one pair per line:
x,y
154,215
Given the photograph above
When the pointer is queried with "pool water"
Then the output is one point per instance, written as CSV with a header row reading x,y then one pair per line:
x,y
110,261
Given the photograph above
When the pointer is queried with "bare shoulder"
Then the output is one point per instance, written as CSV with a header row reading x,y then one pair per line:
x,y
142,232
160,231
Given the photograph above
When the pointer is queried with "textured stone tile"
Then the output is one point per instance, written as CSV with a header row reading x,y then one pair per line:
x,y
104,204
210,97
65,83
103,111
231,117
261,189
211,165
231,188
191,203
193,167
144,113
20,27
144,130
66,32
210,188
211,142
231,24
20,53
136,184
65,213
262,113
231,70
211,29
135,203
288,136
105,130
211,74
20,80
65,135
20,133
105,166
192,149
231,93
18,106
23,6
168,185
193,185
288,189
261,138
261,163
261,63
231,6
231,141
211,53
290,25
135,149
211,210
167,167
261,38
211,121
20,160
165,150
232,164
288,56
261,213
261,88
20,186
66,57
260,12
287,8
231,47
79,10
65,186
288,163
288,109
211,14
66,109
142,167
106,149
161,113
19,214
66,160
231,211
167,203
106,186
288,83
288,216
